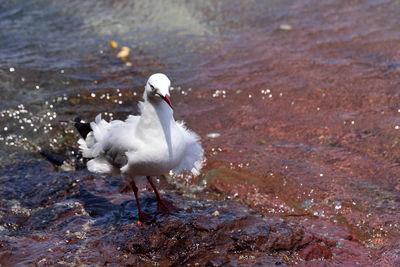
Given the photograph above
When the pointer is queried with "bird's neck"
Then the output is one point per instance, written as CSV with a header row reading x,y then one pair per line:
x,y
155,113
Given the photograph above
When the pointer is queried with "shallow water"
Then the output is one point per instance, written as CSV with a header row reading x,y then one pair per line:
x,y
304,92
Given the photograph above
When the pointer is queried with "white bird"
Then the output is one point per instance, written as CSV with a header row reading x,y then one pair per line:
x,y
148,145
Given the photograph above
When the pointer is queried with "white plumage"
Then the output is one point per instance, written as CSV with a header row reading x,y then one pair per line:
x,y
147,145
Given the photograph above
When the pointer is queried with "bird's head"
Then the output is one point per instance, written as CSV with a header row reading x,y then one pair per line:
x,y
157,88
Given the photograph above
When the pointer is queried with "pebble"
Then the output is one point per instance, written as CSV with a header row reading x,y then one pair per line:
x,y
113,44
124,53
285,27
213,135
215,213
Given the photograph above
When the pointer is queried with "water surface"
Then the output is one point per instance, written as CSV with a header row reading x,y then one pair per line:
x,y
302,91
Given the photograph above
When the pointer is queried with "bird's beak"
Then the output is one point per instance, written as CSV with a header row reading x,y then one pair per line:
x,y
166,99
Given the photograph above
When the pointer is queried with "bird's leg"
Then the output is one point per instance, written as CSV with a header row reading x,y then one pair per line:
x,y
162,205
143,217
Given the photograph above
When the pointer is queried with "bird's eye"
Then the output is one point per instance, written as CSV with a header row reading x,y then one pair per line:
x,y
152,87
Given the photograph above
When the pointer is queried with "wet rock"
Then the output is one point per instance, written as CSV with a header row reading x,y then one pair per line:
x,y
315,251
79,218
188,238
330,244
73,217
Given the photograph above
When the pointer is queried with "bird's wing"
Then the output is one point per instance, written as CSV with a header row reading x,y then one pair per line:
x,y
107,143
193,153
119,140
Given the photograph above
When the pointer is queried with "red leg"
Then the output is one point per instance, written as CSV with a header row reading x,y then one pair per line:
x,y
162,205
143,217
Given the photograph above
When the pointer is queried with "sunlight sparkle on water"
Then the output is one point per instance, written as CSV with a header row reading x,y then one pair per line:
x,y
21,123
219,93
338,205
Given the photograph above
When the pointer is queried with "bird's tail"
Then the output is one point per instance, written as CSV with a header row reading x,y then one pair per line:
x,y
91,142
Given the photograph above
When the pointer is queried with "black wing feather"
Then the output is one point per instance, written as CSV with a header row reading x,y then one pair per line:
x,y
83,128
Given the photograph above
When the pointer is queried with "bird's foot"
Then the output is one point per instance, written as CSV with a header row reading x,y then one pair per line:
x,y
164,206
144,218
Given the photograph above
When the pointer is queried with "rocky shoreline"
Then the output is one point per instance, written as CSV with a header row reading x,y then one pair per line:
x,y
72,218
